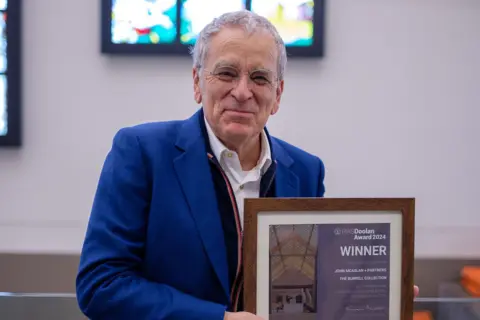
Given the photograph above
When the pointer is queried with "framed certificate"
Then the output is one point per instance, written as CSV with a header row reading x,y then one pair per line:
x,y
329,258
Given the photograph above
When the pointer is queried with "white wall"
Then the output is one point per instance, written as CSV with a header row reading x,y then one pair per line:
x,y
393,110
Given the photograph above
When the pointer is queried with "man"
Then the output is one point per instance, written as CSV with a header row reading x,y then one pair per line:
x,y
163,240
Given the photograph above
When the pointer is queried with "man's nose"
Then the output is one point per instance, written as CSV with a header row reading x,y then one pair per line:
x,y
242,90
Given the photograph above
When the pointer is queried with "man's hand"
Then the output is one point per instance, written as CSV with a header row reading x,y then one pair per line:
x,y
241,316
415,291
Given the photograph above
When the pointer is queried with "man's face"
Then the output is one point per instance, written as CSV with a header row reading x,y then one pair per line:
x,y
238,85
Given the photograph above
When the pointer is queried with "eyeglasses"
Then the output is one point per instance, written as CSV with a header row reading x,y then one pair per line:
x,y
258,78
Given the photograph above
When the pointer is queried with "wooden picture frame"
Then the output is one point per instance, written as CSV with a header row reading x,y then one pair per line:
x,y
337,222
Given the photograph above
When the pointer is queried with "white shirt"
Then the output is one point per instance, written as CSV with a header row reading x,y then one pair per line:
x,y
245,184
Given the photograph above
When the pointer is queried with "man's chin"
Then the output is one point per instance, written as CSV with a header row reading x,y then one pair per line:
x,y
237,130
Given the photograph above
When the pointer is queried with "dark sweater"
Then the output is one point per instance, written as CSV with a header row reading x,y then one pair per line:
x,y
228,209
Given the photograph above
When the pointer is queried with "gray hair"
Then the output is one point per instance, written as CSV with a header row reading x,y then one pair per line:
x,y
250,22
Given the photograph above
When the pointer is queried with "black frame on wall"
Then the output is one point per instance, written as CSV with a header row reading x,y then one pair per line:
x,y
13,90
179,49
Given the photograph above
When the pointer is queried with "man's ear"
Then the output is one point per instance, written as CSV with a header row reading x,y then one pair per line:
x,y
197,93
278,98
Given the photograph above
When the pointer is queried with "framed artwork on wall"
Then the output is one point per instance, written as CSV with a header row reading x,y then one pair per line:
x,y
171,27
10,73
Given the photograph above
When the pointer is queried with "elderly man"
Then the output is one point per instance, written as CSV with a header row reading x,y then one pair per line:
x,y
164,236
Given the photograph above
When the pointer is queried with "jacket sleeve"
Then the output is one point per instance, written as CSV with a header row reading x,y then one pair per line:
x,y
321,180
108,284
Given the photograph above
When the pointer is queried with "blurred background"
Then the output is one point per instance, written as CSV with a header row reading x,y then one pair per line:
x,y
392,108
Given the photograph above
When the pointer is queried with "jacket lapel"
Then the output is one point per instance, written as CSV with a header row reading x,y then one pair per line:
x,y
286,182
192,168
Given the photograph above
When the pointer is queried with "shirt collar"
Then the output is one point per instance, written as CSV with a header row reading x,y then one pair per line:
x,y
219,149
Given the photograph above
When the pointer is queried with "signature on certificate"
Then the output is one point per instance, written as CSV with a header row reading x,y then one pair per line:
x,y
364,308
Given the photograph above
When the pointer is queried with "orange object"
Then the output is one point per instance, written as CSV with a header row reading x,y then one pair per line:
x,y
471,287
422,315
470,280
471,274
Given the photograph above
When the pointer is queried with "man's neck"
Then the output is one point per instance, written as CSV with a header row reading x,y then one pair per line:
x,y
248,152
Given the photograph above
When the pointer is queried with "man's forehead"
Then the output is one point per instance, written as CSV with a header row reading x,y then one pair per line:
x,y
235,47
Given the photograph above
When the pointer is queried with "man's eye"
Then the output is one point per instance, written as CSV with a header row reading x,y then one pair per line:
x,y
225,75
260,80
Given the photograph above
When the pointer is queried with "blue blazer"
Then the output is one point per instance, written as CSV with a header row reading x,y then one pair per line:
x,y
154,246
